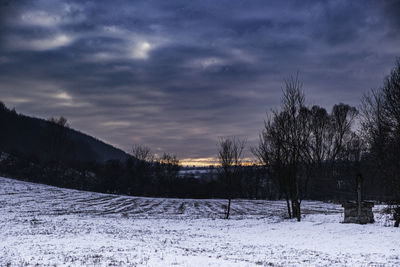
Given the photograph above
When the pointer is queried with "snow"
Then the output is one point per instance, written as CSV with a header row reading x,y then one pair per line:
x,y
44,225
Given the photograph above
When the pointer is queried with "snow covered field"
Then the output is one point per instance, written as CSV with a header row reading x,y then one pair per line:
x,y
44,225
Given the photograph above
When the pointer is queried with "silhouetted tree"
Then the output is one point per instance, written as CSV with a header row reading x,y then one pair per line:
x,y
330,136
295,132
272,154
230,157
167,172
143,165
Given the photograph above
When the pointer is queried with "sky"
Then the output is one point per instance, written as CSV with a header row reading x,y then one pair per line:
x,y
178,75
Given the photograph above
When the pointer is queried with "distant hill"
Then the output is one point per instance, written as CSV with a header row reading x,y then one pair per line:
x,y
33,137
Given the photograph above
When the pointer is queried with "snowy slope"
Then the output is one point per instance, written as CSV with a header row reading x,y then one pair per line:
x,y
46,225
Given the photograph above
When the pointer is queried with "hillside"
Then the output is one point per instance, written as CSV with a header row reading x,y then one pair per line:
x,y
27,136
49,226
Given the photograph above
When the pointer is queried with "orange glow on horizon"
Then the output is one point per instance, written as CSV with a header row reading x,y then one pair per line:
x,y
199,162
204,162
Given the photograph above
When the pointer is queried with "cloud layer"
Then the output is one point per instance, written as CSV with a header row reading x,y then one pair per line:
x,y
177,75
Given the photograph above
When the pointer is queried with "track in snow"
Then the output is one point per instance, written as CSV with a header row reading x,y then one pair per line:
x,y
38,199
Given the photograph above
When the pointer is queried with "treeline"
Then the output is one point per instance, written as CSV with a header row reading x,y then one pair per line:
x,y
158,178
140,175
47,152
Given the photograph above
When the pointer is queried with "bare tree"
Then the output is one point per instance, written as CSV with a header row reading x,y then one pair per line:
x,y
271,153
321,127
143,164
330,136
171,164
373,120
376,134
296,139
142,152
230,157
283,143
168,171
342,120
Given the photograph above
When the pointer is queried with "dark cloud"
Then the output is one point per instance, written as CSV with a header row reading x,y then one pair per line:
x,y
176,75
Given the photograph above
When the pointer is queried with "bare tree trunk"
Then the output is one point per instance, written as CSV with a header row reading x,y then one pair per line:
x,y
358,198
397,216
295,201
230,152
296,209
293,208
298,213
288,206
228,208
